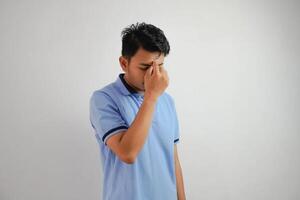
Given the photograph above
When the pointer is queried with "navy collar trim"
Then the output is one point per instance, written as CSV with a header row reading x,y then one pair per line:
x,y
128,87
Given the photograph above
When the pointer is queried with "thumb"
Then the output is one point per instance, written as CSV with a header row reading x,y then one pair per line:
x,y
149,71
155,68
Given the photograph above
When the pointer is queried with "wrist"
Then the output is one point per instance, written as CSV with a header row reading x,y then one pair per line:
x,y
150,98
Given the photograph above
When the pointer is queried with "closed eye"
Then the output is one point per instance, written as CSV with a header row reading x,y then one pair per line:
x,y
146,66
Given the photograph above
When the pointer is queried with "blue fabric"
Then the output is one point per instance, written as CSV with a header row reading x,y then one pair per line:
x,y
152,175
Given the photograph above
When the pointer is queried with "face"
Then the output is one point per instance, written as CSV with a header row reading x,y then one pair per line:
x,y
135,69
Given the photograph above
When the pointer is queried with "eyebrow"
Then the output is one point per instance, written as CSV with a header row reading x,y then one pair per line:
x,y
148,65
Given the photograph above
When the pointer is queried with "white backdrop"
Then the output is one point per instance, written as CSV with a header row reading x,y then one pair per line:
x,y
234,74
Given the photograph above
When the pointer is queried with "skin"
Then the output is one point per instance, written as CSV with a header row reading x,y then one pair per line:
x,y
179,176
136,68
146,74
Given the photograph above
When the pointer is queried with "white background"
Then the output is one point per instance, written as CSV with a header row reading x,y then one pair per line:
x,y
234,75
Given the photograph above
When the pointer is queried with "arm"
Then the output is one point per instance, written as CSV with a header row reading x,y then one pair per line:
x,y
128,144
179,176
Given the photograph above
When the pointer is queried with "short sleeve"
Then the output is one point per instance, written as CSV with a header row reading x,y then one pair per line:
x,y
176,123
105,117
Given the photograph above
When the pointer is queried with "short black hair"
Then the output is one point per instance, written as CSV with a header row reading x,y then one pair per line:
x,y
147,36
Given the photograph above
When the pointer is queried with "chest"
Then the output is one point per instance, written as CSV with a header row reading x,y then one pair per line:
x,y
162,125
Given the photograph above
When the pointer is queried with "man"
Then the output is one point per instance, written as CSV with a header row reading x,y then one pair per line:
x,y
135,122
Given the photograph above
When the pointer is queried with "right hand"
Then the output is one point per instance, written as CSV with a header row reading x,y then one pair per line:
x,y
156,80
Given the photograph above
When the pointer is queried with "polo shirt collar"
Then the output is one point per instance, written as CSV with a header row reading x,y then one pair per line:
x,y
125,88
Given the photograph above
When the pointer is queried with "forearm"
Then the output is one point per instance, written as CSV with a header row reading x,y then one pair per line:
x,y
179,181
136,135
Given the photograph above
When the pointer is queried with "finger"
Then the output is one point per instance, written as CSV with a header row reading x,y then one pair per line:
x,y
157,70
149,71
154,67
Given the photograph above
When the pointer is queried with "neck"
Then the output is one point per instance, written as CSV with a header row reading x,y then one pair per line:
x,y
132,86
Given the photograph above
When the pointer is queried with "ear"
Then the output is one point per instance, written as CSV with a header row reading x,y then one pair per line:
x,y
123,63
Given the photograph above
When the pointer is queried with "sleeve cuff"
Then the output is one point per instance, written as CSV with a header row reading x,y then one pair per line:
x,y
113,131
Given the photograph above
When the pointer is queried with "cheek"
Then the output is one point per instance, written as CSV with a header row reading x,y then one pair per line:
x,y
143,75
139,77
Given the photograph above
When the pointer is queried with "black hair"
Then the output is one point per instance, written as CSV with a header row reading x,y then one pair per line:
x,y
147,36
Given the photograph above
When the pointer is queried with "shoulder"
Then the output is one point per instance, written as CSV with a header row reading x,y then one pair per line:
x,y
103,95
167,97
167,101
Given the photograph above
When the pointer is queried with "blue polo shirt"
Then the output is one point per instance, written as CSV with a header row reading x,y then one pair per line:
x,y
152,175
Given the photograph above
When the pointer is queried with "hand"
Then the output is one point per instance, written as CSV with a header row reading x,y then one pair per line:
x,y
156,80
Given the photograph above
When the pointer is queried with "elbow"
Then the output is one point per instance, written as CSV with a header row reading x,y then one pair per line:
x,y
129,159
127,155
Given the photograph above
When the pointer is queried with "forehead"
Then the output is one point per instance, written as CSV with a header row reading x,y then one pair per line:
x,y
147,57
